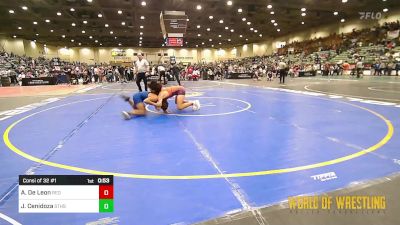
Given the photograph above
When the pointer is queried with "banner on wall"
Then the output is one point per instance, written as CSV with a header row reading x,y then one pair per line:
x,y
393,34
240,75
280,44
118,52
39,81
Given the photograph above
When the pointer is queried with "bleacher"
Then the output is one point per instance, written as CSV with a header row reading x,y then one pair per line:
x,y
368,53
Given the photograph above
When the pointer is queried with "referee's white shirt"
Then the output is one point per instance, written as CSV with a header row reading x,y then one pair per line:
x,y
142,66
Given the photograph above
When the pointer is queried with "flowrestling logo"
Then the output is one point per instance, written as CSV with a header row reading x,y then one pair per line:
x,y
325,176
370,15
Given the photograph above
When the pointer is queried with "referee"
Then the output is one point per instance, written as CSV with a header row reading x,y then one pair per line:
x,y
282,71
142,68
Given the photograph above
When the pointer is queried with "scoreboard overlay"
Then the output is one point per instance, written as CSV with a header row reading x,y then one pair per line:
x,y
66,194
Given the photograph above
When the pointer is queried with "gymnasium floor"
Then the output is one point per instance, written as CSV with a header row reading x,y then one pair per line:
x,y
253,144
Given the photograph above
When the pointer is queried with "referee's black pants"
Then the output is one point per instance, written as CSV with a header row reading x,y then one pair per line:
x,y
162,74
139,78
282,75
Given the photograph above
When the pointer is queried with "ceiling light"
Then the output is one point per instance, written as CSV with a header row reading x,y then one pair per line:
x,y
119,12
226,28
59,14
198,7
51,31
260,35
240,36
385,10
243,19
72,40
90,1
272,13
219,35
303,14
24,8
221,21
279,30
229,3
251,28
220,43
202,43
140,44
85,22
229,39
249,23
72,9
47,21
208,29
187,19
140,38
247,39
255,31
35,22
335,13
11,11
106,25
115,37
303,9
37,34
142,17
210,17
96,41
14,36
19,28
269,6
198,35
79,44
240,10
344,1
141,33
63,36
141,27
73,24
99,15
123,23
302,22
198,26
272,21
90,37
197,45
144,3
119,44
83,32
275,24
342,20
111,32
232,30
212,46
210,39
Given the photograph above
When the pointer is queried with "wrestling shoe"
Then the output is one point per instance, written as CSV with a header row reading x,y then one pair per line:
x,y
125,97
126,115
196,105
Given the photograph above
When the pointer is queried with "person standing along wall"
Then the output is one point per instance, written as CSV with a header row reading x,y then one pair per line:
x,y
175,69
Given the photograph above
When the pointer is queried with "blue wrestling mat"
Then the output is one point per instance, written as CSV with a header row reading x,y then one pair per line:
x,y
246,148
